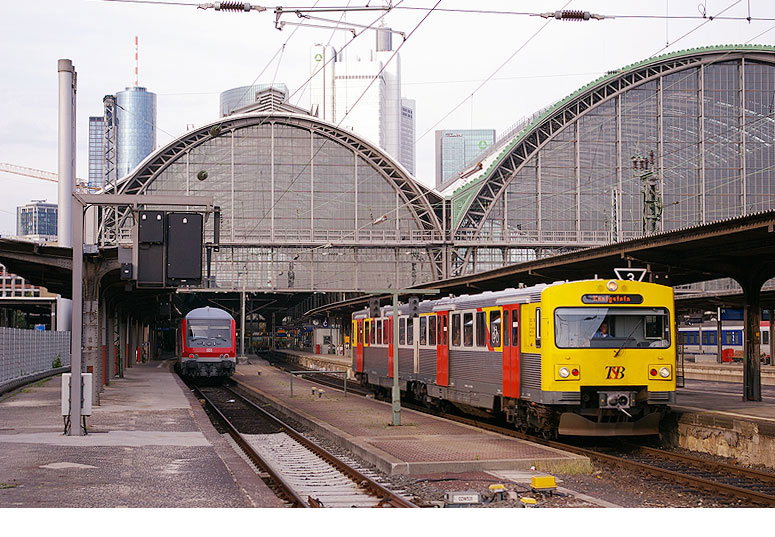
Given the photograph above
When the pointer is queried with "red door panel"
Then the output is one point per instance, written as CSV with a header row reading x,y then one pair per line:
x,y
442,350
359,346
511,351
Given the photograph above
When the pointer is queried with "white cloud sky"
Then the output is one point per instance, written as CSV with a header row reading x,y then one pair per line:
x,y
188,56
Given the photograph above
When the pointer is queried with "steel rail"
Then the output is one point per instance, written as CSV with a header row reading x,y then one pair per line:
x,y
388,497
285,488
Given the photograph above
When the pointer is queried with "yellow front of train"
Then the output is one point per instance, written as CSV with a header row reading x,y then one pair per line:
x,y
613,343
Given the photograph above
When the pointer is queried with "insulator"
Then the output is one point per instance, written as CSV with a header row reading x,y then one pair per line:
x,y
232,6
572,15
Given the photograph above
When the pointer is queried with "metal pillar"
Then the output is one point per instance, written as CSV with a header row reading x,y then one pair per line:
x,y
242,324
110,327
719,349
77,318
396,394
122,343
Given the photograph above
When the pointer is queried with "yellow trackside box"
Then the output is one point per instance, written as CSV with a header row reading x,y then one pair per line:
x,y
543,482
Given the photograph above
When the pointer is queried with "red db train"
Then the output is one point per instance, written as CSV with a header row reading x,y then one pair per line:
x,y
207,344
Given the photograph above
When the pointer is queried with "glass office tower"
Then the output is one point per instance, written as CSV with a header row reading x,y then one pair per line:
x,y
457,148
136,127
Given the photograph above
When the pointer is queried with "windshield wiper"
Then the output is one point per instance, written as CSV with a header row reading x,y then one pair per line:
x,y
628,338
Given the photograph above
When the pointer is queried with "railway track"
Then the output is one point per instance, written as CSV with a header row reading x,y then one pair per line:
x,y
723,480
301,471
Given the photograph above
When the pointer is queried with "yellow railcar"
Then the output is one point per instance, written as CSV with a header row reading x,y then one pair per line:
x,y
594,357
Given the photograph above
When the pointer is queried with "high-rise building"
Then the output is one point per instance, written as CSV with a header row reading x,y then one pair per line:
x,y
408,127
96,152
364,96
37,221
455,149
242,96
135,127
123,136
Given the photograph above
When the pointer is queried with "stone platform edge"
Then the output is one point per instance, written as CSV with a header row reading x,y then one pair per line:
x,y
748,439
386,463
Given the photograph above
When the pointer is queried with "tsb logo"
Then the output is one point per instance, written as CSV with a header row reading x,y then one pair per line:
x,y
615,372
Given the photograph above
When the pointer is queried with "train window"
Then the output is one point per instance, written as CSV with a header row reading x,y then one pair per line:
x,y
432,330
506,325
387,335
360,332
538,327
443,321
378,330
423,330
495,329
765,338
402,331
409,331
456,330
481,329
367,332
515,328
468,329
208,332
613,327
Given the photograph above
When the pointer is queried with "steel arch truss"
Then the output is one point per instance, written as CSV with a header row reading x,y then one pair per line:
x,y
526,146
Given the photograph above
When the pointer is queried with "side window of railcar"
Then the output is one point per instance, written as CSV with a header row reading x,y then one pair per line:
x,y
402,331
495,329
514,328
443,327
481,329
409,331
423,330
378,330
538,327
468,329
432,330
456,330
506,326
387,336
367,328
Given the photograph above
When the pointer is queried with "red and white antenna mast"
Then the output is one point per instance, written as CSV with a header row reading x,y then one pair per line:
x,y
137,77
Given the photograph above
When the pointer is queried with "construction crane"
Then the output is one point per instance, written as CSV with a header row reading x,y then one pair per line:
x,y
81,185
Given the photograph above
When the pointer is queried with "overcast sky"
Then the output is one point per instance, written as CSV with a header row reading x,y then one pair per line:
x,y
189,55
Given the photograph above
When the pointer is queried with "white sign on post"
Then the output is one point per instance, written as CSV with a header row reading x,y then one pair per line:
x,y
632,274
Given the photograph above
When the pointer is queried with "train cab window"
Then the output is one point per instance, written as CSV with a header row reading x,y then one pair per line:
x,y
468,329
506,325
423,330
456,330
432,330
481,329
208,332
367,338
378,330
409,331
495,329
402,331
612,327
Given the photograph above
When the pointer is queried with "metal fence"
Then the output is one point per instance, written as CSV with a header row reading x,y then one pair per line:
x,y
25,354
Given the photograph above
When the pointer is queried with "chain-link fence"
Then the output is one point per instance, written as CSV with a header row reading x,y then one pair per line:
x,y
26,354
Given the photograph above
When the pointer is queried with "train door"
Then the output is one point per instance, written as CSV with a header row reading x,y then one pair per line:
x,y
511,350
359,345
442,350
391,346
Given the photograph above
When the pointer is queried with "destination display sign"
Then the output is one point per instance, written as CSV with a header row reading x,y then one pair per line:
x,y
612,299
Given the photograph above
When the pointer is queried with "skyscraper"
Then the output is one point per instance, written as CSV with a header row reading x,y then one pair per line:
x,y
457,148
342,92
135,127
96,152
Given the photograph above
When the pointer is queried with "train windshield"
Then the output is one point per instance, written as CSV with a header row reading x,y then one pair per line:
x,y
612,328
208,333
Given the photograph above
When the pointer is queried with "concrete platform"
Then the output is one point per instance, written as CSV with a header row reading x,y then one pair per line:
x,y
150,444
709,416
423,444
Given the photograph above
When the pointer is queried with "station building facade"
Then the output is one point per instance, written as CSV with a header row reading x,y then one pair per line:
x,y
674,141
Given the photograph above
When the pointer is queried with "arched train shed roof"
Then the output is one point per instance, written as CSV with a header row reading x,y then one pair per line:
x,y
473,201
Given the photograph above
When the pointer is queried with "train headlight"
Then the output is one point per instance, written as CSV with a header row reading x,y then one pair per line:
x,y
664,372
612,285
564,372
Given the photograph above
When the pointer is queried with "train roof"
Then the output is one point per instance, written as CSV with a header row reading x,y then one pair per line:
x,y
208,313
